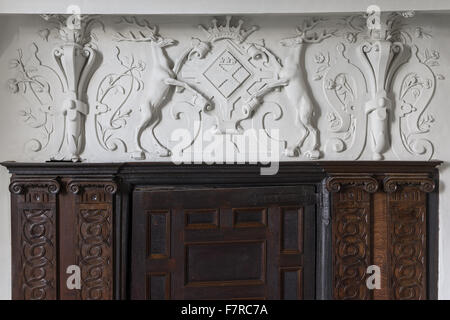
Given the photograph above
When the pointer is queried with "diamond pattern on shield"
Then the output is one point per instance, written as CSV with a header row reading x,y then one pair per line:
x,y
226,74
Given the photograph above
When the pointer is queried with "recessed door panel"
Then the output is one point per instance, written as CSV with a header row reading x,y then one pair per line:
x,y
223,243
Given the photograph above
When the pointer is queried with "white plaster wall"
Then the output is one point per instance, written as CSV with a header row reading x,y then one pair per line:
x,y
21,31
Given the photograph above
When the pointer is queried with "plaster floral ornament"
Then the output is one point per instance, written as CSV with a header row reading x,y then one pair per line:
x,y
323,63
113,93
32,80
75,57
415,84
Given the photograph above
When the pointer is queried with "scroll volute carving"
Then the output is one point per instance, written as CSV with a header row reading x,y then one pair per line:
x,y
367,183
34,248
94,234
393,184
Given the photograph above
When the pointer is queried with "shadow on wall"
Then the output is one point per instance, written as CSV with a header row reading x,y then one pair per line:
x,y
442,168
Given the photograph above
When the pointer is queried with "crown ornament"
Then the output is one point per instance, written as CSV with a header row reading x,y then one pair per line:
x,y
235,33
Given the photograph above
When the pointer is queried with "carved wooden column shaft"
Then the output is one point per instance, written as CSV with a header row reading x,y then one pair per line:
x,y
380,226
94,245
34,238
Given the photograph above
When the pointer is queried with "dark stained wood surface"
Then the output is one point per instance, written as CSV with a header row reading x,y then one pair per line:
x,y
88,212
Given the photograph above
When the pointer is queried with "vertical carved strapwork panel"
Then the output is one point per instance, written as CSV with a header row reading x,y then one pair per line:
x,y
351,202
94,227
407,207
34,238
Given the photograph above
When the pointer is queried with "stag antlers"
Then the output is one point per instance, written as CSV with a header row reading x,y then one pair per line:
x,y
305,33
141,36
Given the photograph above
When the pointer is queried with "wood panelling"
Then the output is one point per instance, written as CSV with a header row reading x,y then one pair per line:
x,y
291,283
93,212
158,234
234,263
226,244
163,231
249,217
351,236
386,227
291,230
202,219
34,238
407,207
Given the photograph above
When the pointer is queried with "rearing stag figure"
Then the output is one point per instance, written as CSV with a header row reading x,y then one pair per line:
x,y
161,80
297,90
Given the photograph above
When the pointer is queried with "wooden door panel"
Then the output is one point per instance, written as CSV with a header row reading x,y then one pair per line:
x,y
224,243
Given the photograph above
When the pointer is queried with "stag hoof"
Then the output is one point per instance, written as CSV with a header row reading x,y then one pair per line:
x,y
291,152
138,155
163,152
75,158
313,154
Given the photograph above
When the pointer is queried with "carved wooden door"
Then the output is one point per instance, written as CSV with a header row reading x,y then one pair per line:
x,y
223,243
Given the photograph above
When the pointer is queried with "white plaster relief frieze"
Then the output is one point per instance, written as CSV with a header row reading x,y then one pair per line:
x,y
364,91
370,87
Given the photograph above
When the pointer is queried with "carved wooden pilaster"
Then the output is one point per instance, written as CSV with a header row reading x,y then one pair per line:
x,y
34,238
94,228
351,203
407,220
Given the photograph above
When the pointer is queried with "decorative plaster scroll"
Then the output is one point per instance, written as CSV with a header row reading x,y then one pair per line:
x,y
75,59
345,89
161,79
399,87
415,85
113,93
33,81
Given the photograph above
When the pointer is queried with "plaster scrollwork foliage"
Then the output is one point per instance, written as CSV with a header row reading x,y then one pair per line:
x,y
113,93
345,89
415,86
33,81
161,79
75,58
381,99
